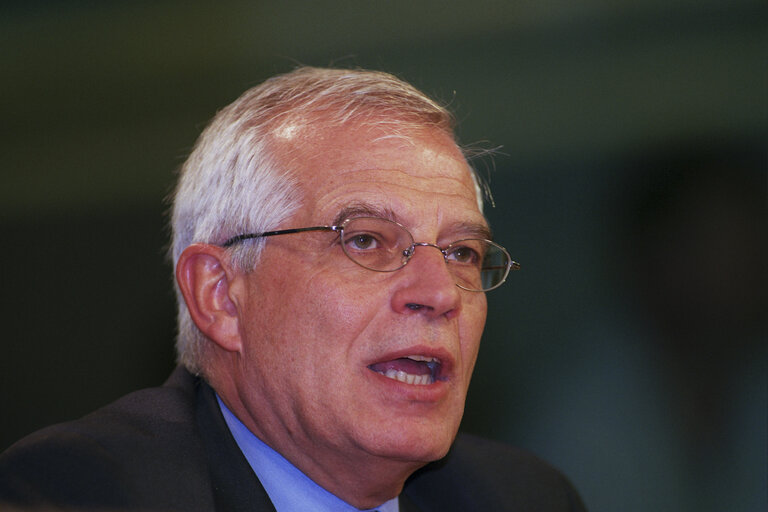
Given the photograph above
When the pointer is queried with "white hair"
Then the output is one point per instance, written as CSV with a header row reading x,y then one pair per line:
x,y
232,183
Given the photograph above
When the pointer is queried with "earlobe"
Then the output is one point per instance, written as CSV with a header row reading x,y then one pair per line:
x,y
202,276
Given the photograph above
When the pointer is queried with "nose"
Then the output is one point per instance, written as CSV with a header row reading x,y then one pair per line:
x,y
426,286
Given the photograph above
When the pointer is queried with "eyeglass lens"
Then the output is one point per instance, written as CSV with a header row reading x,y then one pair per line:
x,y
383,245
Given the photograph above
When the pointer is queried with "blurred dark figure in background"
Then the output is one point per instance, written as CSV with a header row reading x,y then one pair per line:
x,y
694,256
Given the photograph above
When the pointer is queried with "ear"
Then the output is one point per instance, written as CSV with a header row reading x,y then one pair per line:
x,y
204,278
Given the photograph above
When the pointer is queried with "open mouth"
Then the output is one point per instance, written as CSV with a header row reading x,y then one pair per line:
x,y
413,369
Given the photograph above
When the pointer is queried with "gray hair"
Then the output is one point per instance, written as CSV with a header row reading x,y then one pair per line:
x,y
232,184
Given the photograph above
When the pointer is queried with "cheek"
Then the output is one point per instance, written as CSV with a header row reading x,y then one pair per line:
x,y
330,311
472,331
341,309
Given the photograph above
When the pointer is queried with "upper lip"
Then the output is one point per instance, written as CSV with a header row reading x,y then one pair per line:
x,y
443,359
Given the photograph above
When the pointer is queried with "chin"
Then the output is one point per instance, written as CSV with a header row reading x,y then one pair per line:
x,y
419,444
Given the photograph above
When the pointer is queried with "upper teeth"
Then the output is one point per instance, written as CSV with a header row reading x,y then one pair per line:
x,y
425,359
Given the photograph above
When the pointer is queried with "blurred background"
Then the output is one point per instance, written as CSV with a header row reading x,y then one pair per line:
x,y
630,350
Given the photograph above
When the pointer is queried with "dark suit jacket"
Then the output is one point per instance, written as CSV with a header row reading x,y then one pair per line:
x,y
169,449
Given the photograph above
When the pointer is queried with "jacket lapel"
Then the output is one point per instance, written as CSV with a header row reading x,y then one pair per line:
x,y
235,486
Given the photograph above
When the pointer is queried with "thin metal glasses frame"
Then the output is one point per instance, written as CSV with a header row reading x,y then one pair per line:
x,y
407,253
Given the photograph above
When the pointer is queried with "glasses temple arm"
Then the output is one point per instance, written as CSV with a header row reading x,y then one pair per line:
x,y
249,236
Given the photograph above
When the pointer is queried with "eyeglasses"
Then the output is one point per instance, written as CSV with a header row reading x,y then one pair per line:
x,y
382,245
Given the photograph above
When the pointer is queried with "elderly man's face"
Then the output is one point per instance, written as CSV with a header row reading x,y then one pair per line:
x,y
320,332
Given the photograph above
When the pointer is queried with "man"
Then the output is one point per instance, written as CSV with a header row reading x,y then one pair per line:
x,y
331,259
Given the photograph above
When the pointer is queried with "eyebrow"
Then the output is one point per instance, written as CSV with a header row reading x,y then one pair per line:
x,y
471,230
363,210
461,228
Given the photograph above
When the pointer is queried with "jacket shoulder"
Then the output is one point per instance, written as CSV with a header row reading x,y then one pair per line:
x,y
119,456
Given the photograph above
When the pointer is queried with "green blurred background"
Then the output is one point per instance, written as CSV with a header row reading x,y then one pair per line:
x,y
631,184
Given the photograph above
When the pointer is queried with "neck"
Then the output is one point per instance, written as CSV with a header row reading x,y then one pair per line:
x,y
364,480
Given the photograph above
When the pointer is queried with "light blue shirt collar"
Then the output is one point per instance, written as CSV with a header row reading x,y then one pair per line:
x,y
287,487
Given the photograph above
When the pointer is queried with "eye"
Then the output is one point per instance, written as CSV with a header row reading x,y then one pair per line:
x,y
464,254
362,241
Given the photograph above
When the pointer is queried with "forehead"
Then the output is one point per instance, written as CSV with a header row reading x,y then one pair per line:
x,y
417,173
